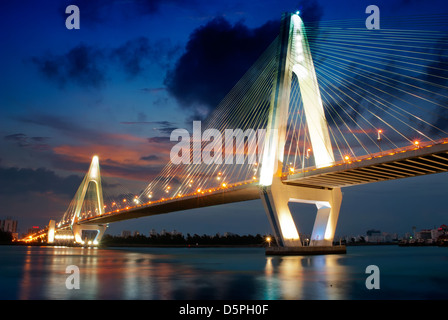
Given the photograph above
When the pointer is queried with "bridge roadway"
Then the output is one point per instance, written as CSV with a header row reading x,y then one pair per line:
x,y
239,192
389,165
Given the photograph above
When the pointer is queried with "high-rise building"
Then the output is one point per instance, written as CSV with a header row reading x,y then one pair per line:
x,y
8,225
125,233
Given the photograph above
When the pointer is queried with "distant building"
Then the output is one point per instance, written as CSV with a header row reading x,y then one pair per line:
x,y
377,236
153,232
32,230
136,233
125,233
427,236
373,236
228,234
8,225
435,233
423,234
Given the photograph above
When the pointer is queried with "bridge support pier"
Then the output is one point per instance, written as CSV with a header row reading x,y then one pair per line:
x,y
51,231
275,199
79,228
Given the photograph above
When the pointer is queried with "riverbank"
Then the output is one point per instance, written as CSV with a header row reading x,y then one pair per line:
x,y
143,245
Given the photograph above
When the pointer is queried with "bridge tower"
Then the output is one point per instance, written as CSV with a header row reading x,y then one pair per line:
x,y
73,214
92,176
294,59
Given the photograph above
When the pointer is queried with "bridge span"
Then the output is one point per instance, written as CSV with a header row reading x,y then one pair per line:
x,y
412,161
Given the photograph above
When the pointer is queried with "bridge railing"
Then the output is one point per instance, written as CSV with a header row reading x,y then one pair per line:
x,y
347,160
196,193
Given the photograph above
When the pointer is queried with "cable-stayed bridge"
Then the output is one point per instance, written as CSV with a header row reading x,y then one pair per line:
x,y
324,107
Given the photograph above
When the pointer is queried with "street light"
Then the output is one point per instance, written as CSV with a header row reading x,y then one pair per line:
x,y
268,239
379,138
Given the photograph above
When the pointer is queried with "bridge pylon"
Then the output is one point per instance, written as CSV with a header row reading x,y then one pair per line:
x,y
93,232
294,58
92,176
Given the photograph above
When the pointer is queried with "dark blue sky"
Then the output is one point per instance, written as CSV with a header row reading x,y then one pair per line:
x,y
116,88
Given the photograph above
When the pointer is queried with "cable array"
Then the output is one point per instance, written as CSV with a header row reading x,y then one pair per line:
x,y
380,89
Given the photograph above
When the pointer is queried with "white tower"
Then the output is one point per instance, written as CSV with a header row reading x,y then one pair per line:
x,y
294,57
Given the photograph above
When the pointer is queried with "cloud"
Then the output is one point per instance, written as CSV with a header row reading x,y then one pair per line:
x,y
150,158
134,54
164,127
41,180
22,140
215,58
82,65
154,90
87,66
120,154
159,139
99,11
64,125
218,54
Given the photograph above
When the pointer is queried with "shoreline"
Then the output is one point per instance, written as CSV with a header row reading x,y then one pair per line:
x,y
144,245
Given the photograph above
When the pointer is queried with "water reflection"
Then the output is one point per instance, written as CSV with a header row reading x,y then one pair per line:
x,y
305,277
218,273
198,274
44,273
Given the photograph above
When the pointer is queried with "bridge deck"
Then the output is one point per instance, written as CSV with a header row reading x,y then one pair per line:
x,y
403,163
243,192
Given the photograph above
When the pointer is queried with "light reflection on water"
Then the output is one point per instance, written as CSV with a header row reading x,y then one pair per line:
x,y
218,273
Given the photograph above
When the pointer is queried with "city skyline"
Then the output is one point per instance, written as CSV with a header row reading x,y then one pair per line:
x,y
117,87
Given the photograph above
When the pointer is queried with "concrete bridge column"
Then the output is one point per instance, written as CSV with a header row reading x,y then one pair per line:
x,y
78,228
276,198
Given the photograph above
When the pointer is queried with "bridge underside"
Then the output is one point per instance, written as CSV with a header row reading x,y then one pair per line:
x,y
235,194
390,166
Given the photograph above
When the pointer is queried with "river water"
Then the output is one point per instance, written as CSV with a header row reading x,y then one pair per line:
x,y
221,273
